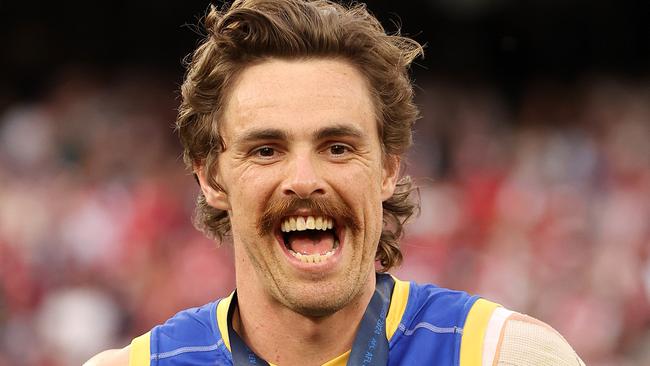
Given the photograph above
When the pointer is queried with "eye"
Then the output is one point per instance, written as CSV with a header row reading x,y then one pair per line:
x,y
265,152
338,149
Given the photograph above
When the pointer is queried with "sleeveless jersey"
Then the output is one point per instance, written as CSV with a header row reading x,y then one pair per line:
x,y
425,325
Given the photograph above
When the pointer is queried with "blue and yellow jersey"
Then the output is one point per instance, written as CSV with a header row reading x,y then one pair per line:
x,y
425,325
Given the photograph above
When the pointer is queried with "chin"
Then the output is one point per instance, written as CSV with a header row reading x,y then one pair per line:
x,y
317,309
319,300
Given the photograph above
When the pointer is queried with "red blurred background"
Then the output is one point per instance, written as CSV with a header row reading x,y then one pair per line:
x,y
532,156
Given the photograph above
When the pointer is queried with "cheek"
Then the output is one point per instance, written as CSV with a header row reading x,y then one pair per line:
x,y
364,183
361,189
249,192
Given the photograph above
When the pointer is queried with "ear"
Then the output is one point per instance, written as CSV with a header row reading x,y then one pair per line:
x,y
216,198
389,176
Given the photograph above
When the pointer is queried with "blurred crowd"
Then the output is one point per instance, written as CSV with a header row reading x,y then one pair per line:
x,y
540,202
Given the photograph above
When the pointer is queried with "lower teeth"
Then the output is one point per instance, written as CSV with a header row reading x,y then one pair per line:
x,y
314,258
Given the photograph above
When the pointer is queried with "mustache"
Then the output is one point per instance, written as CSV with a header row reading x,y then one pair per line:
x,y
279,208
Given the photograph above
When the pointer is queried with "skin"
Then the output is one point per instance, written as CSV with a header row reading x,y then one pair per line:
x,y
302,128
301,99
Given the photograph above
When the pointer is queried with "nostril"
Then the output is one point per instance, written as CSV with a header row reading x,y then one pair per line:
x,y
304,190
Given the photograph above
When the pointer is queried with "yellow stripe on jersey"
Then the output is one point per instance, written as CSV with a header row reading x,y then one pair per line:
x,y
139,354
471,346
222,319
397,306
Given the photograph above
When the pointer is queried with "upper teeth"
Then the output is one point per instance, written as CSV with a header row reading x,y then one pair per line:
x,y
299,223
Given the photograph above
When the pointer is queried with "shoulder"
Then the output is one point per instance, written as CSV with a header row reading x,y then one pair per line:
x,y
428,295
189,323
188,330
489,333
193,334
111,357
440,304
524,340
427,306
421,314
494,335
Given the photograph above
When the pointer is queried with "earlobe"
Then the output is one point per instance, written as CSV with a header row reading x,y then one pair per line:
x,y
216,198
390,174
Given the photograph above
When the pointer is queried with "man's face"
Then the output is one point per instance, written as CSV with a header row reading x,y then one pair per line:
x,y
304,182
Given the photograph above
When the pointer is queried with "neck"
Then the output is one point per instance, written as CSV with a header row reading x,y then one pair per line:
x,y
284,337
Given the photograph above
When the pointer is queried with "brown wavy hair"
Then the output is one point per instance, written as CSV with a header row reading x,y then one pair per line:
x,y
251,31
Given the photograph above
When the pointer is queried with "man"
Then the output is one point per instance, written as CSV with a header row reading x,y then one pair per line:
x,y
294,117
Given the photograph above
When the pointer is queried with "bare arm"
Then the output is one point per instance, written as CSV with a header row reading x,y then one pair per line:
x,y
111,357
528,341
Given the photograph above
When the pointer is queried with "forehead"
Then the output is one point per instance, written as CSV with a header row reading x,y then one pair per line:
x,y
298,96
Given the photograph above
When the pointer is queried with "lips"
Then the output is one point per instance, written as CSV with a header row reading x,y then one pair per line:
x,y
311,239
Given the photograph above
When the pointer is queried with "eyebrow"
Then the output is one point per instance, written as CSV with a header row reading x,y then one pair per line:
x,y
338,131
262,134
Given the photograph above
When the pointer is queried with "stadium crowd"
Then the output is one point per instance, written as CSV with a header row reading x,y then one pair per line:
x,y
540,203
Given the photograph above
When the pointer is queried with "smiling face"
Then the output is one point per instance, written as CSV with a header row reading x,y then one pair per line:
x,y
304,180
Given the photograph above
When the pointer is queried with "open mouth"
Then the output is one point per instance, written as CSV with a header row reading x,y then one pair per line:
x,y
310,239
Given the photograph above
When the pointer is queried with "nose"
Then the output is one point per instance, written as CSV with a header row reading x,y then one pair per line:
x,y
303,179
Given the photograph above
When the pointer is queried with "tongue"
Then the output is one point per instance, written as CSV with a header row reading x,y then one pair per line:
x,y
311,242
